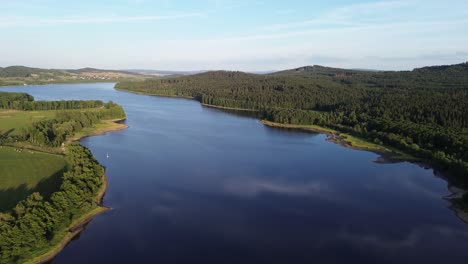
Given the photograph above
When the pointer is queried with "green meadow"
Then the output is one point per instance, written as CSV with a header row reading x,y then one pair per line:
x,y
23,172
12,119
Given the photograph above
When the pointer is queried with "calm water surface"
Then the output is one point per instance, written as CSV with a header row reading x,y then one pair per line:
x,y
190,184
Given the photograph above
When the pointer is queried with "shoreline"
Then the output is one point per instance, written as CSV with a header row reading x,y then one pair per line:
x,y
115,126
388,154
73,231
158,95
348,141
75,228
228,108
78,225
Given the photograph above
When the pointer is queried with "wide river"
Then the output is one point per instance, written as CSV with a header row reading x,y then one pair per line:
x,y
190,184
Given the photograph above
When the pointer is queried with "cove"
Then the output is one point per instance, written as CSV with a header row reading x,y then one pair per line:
x,y
191,184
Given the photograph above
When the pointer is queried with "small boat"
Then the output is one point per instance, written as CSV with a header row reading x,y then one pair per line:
x,y
107,155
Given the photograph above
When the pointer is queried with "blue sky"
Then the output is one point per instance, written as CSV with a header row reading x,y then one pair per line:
x,y
233,35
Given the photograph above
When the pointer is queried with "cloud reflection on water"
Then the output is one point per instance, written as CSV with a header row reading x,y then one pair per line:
x,y
253,187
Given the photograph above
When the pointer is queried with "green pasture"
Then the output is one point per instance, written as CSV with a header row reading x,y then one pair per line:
x,y
23,172
10,119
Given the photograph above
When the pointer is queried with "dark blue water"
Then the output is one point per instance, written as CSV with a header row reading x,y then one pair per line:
x,y
190,184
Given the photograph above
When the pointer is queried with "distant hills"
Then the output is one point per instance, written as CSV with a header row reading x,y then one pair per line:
x,y
22,71
20,75
163,72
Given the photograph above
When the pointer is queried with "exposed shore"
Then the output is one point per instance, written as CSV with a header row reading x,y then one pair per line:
x,y
100,129
349,141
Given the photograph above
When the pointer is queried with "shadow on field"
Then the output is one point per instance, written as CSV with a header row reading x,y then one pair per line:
x,y
10,197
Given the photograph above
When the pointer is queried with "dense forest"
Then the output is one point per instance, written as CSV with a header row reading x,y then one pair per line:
x,y
423,112
36,224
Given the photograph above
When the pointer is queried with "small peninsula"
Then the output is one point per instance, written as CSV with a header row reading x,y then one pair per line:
x,y
61,185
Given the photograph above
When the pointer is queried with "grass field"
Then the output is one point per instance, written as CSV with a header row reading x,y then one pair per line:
x,y
18,119
24,172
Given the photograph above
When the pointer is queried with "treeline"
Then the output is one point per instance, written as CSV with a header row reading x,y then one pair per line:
x,y
25,102
424,111
54,132
14,100
36,223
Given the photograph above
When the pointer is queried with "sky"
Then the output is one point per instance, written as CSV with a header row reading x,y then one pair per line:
x,y
241,35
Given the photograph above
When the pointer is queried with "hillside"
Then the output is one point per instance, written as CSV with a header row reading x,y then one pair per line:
x,y
423,112
20,75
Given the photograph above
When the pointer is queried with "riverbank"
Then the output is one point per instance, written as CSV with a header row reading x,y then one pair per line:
x,y
229,108
349,141
159,95
102,128
74,229
78,225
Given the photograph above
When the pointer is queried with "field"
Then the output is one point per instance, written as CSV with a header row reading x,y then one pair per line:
x,y
10,119
23,172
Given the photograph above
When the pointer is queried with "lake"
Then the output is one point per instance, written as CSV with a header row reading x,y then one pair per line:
x,y
191,184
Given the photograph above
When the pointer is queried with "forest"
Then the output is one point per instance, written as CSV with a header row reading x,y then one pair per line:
x,y
39,223
423,112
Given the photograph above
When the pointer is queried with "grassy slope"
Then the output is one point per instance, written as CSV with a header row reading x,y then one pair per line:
x,y
25,172
18,119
